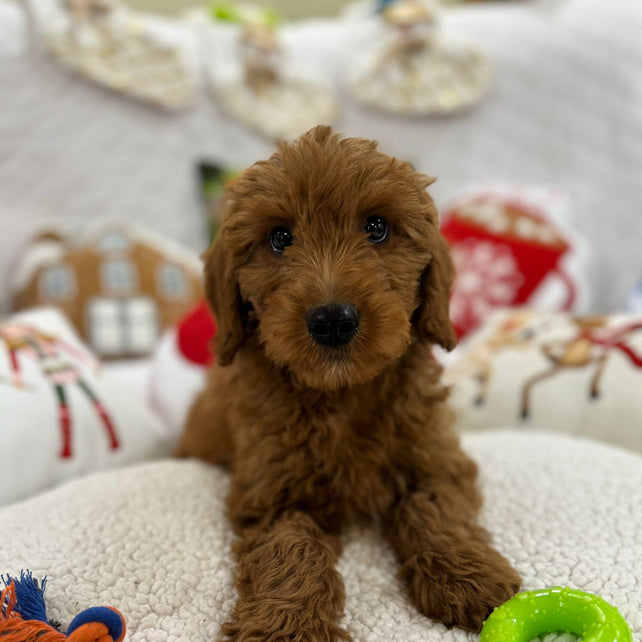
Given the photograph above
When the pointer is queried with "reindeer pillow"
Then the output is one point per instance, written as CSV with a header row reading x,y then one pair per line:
x,y
579,375
61,415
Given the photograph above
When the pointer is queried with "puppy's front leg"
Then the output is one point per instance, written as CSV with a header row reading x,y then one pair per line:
x,y
288,587
451,572
207,433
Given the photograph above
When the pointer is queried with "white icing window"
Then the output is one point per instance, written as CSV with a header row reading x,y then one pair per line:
x,y
119,276
113,242
105,329
142,326
57,283
172,281
123,328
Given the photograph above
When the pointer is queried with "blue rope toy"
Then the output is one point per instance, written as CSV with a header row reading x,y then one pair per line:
x,y
23,616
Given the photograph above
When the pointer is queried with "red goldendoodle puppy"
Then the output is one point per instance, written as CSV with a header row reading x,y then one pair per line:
x,y
330,283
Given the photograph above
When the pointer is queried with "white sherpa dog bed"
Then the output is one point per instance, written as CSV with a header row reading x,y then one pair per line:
x,y
152,540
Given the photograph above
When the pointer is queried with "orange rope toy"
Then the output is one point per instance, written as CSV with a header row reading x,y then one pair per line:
x,y
23,617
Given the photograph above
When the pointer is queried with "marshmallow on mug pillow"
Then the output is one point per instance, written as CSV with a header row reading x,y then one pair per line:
x,y
61,416
552,371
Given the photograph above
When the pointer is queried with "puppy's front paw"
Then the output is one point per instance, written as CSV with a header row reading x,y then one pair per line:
x,y
284,625
461,588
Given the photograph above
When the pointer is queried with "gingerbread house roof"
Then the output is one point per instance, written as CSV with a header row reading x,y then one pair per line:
x,y
51,244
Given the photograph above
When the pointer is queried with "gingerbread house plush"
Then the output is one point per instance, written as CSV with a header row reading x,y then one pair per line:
x,y
119,284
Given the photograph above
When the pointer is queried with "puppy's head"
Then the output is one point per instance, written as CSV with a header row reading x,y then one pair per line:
x,y
330,253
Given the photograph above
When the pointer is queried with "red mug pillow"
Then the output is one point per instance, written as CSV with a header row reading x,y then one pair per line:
x,y
507,244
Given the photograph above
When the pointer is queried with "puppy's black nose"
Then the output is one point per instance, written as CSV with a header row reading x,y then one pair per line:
x,y
334,324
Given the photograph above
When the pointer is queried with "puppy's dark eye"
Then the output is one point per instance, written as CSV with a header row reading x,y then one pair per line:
x,y
377,229
280,238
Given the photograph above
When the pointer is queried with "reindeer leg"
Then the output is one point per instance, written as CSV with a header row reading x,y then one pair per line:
x,y
526,390
484,383
595,381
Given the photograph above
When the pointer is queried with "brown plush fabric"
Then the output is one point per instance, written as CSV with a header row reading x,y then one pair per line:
x,y
319,436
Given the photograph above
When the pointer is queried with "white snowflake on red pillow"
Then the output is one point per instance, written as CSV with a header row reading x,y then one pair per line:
x,y
488,278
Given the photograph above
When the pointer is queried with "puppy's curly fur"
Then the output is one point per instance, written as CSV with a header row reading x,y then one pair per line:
x,y
317,436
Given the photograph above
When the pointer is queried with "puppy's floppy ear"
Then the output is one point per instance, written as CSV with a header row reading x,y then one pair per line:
x,y
431,320
223,295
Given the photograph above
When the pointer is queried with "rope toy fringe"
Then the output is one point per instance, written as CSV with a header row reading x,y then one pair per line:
x,y
23,616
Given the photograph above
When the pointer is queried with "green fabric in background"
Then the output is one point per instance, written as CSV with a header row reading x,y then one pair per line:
x,y
289,9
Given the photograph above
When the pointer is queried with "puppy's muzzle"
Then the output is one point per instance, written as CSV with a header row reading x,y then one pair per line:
x,y
333,325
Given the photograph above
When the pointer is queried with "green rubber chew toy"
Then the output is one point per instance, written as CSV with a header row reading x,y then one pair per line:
x,y
555,610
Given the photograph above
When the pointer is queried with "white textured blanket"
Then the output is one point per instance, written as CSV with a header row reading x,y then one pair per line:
x,y
152,540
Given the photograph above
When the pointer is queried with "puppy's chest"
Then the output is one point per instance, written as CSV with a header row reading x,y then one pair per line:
x,y
352,470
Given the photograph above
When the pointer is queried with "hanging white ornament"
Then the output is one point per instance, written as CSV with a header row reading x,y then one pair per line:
x,y
265,91
136,54
418,70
